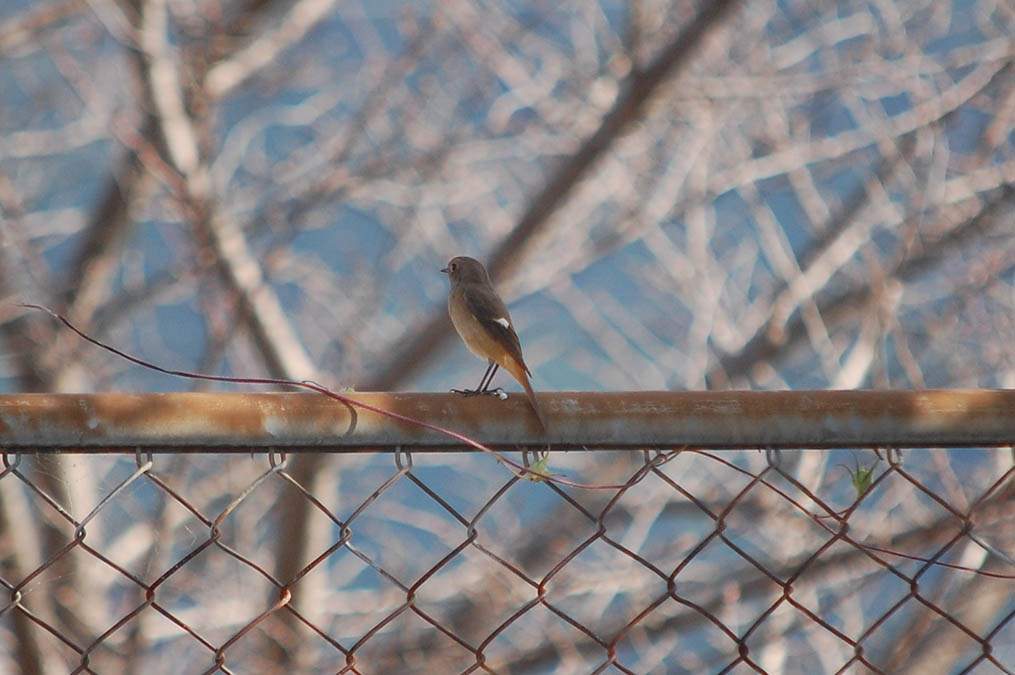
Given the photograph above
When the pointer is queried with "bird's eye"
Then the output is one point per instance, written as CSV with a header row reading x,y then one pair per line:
x,y
454,266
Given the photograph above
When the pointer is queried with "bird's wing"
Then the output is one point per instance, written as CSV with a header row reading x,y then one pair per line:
x,y
492,314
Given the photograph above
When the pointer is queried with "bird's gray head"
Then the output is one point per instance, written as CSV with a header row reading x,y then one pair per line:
x,y
464,269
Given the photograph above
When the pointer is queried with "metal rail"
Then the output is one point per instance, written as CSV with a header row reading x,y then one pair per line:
x,y
311,422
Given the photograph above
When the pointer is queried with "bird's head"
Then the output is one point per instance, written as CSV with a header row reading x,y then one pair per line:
x,y
466,269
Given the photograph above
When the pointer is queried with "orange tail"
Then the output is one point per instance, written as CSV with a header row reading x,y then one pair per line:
x,y
519,372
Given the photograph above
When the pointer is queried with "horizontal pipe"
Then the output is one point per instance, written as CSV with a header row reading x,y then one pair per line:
x,y
646,419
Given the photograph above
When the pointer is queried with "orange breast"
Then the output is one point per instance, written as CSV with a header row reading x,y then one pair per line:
x,y
475,336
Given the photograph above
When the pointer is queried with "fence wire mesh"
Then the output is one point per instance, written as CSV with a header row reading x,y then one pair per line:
x,y
851,560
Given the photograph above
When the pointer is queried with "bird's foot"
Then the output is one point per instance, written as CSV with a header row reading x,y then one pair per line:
x,y
500,393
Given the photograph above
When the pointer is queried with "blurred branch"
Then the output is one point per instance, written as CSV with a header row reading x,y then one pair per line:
x,y
26,28
264,49
982,78
846,305
412,353
261,309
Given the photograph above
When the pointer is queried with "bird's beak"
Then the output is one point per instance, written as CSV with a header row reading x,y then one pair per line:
x,y
445,270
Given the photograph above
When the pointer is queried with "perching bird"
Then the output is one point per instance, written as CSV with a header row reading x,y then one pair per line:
x,y
483,322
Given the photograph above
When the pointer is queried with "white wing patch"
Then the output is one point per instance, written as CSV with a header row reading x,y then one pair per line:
x,y
504,322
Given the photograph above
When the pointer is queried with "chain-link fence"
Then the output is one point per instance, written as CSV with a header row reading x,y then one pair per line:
x,y
639,561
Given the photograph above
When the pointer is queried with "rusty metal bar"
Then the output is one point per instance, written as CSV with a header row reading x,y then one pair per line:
x,y
311,422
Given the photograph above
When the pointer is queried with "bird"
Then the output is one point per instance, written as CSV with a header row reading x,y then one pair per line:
x,y
483,323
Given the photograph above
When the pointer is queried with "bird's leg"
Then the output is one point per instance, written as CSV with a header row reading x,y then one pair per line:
x,y
484,384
